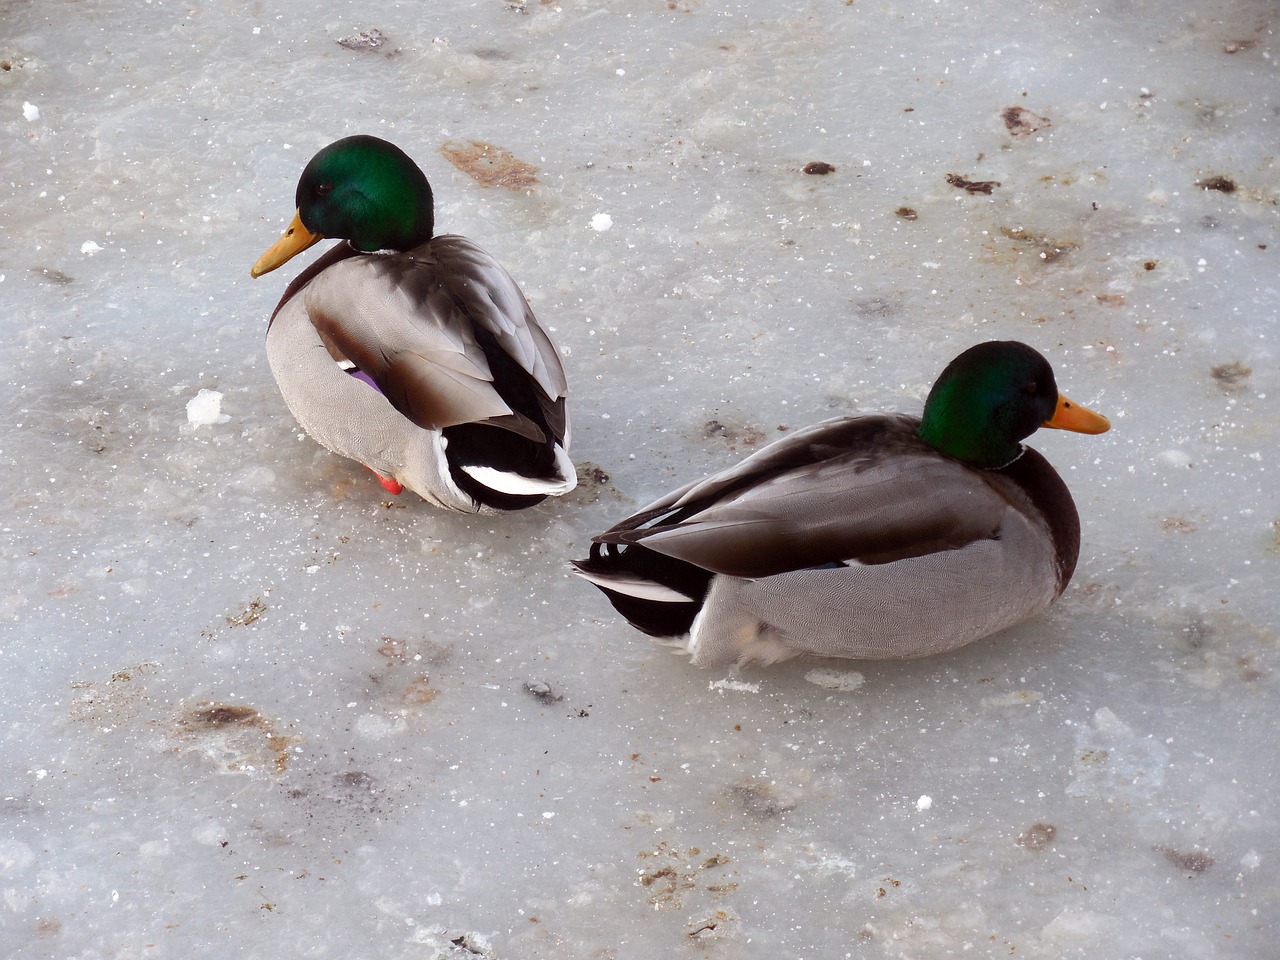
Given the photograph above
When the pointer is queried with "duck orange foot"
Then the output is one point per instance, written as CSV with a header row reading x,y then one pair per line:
x,y
389,484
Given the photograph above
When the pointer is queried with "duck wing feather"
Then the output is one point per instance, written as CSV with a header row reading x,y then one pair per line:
x,y
850,490
439,329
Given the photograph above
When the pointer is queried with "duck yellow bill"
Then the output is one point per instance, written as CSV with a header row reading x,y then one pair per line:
x,y
296,239
1072,416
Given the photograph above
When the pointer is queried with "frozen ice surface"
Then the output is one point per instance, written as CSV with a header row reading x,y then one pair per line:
x,y
254,708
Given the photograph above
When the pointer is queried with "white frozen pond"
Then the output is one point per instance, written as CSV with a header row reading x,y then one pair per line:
x,y
254,708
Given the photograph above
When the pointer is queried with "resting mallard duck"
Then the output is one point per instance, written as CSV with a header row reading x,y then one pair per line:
x,y
415,355
876,537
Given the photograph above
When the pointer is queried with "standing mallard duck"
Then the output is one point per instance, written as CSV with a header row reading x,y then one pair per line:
x,y
414,354
876,537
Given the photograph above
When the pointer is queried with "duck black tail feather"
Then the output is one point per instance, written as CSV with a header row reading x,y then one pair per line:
x,y
658,595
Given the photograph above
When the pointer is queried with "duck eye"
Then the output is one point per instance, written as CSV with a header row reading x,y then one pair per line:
x,y
1031,388
324,189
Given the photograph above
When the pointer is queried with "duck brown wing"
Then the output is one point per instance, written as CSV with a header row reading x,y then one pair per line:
x,y
445,334
851,490
489,296
524,362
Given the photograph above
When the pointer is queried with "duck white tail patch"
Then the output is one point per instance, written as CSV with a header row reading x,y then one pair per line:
x,y
513,483
633,586
566,468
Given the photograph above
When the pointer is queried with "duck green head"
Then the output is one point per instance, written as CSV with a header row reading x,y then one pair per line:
x,y
991,397
360,189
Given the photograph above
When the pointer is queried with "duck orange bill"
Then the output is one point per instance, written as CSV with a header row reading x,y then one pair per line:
x,y
1072,416
296,239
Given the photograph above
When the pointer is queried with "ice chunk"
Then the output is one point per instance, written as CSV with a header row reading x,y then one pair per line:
x,y
1112,762
1175,458
1077,928
740,686
15,857
30,111
601,222
1014,698
90,248
205,409
829,679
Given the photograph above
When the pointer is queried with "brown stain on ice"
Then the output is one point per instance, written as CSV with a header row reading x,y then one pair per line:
x,y
544,693
419,692
594,482
249,614
367,41
664,883
1037,836
703,929
118,701
224,715
963,182
53,275
1217,182
1231,377
1238,46
48,927
400,693
892,884
1021,122
239,730
734,436
394,650
1218,644
1191,862
1046,249
490,165
762,799
680,871
1178,525
236,737
1221,183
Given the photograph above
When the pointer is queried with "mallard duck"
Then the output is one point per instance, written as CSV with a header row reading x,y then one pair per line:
x,y
413,354
874,537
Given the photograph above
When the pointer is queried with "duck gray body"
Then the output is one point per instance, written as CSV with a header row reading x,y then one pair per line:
x,y
851,538
448,344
